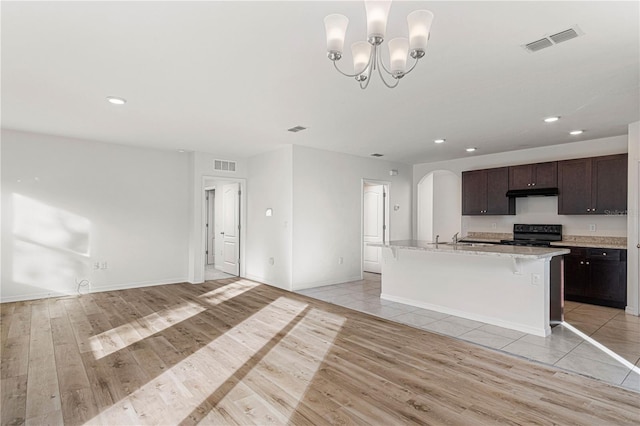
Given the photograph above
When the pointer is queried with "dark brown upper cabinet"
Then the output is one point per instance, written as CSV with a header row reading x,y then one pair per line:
x,y
596,185
527,176
483,192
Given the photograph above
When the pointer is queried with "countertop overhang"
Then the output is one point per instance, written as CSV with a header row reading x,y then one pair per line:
x,y
515,252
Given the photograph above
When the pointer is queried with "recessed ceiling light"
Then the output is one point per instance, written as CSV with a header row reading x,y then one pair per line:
x,y
576,132
116,101
439,140
551,119
471,149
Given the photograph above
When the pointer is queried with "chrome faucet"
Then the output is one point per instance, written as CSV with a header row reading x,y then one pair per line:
x,y
437,236
454,240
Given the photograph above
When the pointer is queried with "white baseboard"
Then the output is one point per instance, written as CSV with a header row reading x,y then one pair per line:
x,y
93,289
314,284
631,310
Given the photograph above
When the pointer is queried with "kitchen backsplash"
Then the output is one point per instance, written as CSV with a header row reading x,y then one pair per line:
x,y
543,210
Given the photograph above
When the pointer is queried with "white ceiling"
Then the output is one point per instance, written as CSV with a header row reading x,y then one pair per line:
x,y
231,77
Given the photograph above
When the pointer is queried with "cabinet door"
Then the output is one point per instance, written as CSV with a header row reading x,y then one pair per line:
x,y
545,175
474,192
609,185
605,283
575,274
574,184
497,186
520,177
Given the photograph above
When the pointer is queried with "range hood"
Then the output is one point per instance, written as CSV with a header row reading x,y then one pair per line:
x,y
514,193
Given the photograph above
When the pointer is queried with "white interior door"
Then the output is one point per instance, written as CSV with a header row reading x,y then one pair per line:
x,y
231,228
211,234
374,226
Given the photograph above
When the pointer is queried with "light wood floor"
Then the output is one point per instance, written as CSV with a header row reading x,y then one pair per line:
x,y
237,352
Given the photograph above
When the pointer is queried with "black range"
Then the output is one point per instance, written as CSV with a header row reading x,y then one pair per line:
x,y
534,235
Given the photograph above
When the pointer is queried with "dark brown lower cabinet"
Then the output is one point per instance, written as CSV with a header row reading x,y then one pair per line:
x,y
597,276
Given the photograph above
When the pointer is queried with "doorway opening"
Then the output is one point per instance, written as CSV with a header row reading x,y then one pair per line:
x,y
221,228
375,223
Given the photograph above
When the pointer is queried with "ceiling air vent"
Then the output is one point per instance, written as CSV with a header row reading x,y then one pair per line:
x,y
224,165
552,40
296,129
564,36
377,155
538,45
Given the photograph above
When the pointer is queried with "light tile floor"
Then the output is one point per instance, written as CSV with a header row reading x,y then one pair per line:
x,y
564,348
211,273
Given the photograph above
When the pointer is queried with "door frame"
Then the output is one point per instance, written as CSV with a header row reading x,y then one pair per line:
x,y
202,256
387,214
206,224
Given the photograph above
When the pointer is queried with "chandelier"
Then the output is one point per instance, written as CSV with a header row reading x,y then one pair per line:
x,y
366,54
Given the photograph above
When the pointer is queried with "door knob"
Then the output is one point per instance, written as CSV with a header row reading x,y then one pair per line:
x,y
222,233
638,245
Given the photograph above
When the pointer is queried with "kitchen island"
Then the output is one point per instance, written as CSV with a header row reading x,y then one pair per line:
x,y
508,286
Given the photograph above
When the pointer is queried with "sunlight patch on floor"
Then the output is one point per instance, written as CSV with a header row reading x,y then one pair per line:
x,y
228,291
602,347
171,397
120,337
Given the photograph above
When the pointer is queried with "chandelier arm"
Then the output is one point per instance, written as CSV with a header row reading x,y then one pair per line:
x,y
390,86
365,84
412,67
343,73
383,67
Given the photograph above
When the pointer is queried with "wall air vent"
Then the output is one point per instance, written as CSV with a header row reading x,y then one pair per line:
x,y
296,129
224,165
377,155
552,40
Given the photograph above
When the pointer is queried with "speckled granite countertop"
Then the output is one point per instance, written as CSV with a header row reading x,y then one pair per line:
x,y
517,252
567,240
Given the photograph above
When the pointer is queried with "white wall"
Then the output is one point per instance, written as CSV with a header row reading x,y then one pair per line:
x,y
69,203
536,209
270,186
200,170
424,201
327,212
633,221
439,209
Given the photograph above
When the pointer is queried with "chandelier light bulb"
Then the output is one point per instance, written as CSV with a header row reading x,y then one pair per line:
x,y
361,51
377,14
398,51
336,28
419,26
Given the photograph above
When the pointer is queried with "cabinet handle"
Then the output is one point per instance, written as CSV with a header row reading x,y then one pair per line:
x,y
528,184
604,254
533,184
593,210
581,262
588,210
587,263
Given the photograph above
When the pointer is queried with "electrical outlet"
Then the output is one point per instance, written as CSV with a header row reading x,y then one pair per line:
x,y
104,265
340,261
535,279
96,265
592,227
